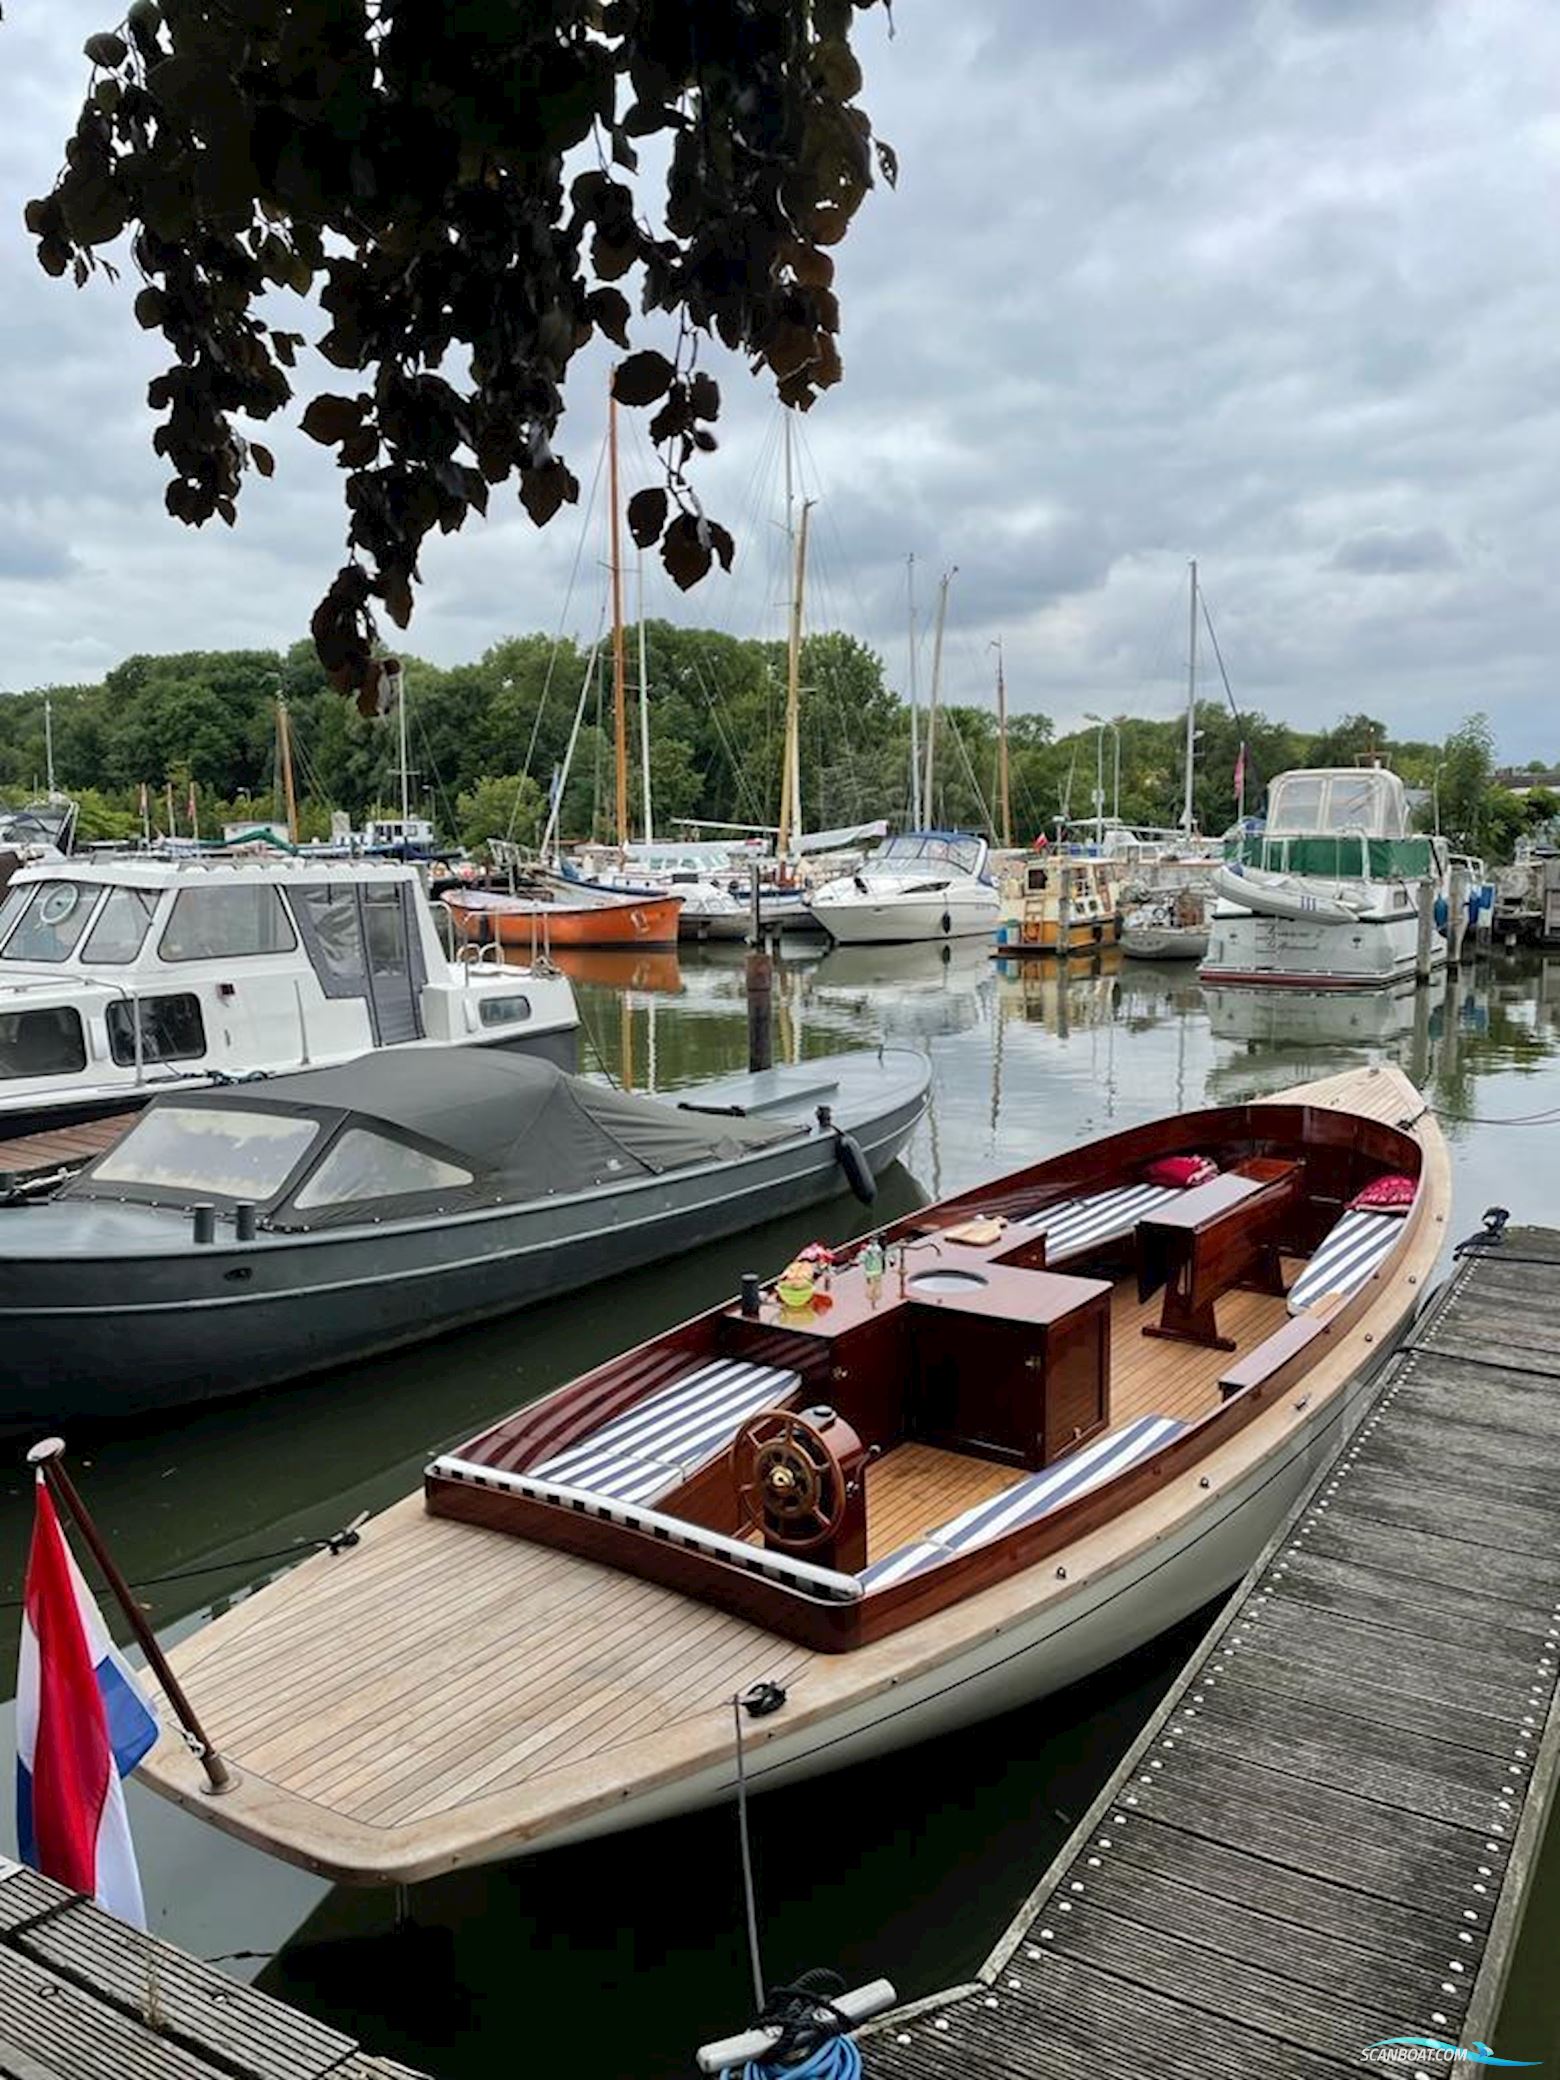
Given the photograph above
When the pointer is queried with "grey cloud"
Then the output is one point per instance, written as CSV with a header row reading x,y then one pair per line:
x,y
1383,553
1162,278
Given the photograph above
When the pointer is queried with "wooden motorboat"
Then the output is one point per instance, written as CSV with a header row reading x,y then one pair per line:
x,y
1054,1416
553,914
238,1237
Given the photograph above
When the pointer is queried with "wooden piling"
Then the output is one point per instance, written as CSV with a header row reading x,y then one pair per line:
x,y
1426,941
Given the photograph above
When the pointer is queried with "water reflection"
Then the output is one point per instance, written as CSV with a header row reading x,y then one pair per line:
x,y
1027,1058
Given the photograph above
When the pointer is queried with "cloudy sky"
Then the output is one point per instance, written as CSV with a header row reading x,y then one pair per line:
x,y
1271,283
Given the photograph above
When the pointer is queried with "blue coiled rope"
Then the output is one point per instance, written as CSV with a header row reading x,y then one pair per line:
x,y
814,2041
837,2060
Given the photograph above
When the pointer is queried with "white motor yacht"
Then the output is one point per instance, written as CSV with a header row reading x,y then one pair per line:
x,y
124,977
920,885
1328,896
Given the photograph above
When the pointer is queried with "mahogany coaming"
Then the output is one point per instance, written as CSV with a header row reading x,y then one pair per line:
x,y
851,1362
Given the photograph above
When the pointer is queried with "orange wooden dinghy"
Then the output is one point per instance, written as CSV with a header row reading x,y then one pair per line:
x,y
554,915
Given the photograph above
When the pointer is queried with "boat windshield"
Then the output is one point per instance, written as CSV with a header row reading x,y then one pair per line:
x,y
1369,802
43,920
212,1152
925,849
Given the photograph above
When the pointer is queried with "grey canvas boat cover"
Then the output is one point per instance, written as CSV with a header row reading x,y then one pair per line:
x,y
504,1129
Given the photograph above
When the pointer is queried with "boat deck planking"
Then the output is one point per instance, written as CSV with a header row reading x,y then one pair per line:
x,y
443,1694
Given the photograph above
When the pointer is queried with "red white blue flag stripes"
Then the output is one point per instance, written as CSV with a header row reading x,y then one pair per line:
x,y
82,1725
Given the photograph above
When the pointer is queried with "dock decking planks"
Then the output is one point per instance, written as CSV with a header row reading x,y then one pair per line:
x,y
77,1987
1324,1835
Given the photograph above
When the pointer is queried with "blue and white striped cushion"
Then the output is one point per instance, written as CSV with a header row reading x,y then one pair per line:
x,y
1078,1224
1349,1253
1032,1498
657,1444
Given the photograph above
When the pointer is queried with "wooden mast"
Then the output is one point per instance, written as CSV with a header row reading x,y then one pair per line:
x,y
644,708
927,801
619,667
284,760
791,759
1002,754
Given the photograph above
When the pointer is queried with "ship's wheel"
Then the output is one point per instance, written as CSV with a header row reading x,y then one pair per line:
x,y
790,1485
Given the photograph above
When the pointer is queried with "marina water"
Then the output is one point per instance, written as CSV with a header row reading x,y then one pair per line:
x,y
614,1959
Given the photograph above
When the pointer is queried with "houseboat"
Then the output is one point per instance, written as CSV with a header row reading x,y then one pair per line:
x,y
1058,902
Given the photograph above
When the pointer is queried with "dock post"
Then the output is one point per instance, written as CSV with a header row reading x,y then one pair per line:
x,y
1426,932
760,992
1064,914
1457,919
49,1457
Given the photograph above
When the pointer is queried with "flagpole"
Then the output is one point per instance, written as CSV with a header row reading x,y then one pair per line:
x,y
48,1457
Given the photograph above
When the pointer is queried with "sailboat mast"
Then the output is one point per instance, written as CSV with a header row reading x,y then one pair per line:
x,y
791,778
928,801
1191,709
644,705
915,705
619,665
406,771
284,759
1002,755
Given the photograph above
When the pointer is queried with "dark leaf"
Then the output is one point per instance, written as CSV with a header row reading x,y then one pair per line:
x,y
888,162
607,308
544,489
263,459
151,307
330,419
703,396
647,515
106,49
686,557
642,378
720,541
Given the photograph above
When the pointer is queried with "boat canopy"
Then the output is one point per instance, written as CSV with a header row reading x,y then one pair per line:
x,y
405,1133
1320,801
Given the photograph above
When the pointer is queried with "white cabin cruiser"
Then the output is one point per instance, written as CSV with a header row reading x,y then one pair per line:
x,y
1327,897
920,885
120,978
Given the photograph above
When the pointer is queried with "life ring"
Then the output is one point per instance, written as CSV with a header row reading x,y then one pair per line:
x,y
1032,934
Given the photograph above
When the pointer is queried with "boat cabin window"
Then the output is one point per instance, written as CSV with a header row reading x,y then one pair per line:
x,y
48,918
915,848
210,924
217,1152
172,1030
365,1165
504,1011
121,927
41,1043
1296,805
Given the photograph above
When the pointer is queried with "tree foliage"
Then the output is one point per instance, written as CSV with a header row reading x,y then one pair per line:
x,y
455,185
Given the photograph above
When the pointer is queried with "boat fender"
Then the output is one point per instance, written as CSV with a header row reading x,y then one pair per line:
x,y
852,1160
947,922
1442,915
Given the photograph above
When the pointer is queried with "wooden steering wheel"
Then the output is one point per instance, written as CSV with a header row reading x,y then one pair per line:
x,y
790,1485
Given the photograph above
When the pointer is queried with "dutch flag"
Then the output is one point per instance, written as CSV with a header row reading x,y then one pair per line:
x,y
82,1725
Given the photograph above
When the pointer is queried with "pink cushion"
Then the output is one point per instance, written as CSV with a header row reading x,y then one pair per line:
x,y
1180,1171
1392,1194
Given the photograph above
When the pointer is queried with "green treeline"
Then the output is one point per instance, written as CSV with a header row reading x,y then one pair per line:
x,y
486,738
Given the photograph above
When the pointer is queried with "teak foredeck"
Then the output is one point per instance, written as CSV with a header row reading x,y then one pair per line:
x,y
447,1692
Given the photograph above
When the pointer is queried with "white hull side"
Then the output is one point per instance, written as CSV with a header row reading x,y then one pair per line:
x,y
1366,954
884,920
1110,1616
1163,942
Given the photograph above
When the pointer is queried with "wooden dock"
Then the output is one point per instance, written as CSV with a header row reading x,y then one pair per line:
x,y
1325,1836
83,1997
